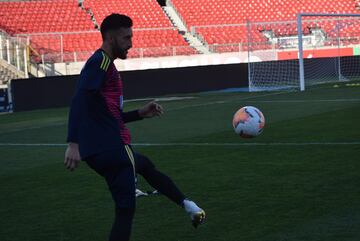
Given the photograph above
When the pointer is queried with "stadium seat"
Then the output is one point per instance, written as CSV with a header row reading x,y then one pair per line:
x,y
66,28
64,25
237,12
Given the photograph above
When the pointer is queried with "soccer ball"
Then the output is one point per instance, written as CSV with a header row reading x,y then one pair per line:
x,y
248,122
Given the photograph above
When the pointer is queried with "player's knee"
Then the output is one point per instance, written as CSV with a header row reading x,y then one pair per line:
x,y
149,164
144,164
125,201
125,211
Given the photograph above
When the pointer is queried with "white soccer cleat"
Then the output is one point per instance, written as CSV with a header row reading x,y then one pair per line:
x,y
197,214
198,218
139,193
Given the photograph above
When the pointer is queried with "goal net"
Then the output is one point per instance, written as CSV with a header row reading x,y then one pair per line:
x,y
314,49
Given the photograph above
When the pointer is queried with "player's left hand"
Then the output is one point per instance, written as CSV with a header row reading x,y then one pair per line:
x,y
151,109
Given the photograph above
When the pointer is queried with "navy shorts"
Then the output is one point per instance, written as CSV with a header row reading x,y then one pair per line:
x,y
117,167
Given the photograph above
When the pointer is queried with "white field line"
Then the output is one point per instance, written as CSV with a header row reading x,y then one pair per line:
x,y
248,99
30,128
198,144
162,99
223,101
173,109
304,101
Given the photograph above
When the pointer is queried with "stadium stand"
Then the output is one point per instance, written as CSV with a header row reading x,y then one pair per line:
x,y
66,27
237,12
145,13
154,31
8,72
61,28
146,43
4,104
43,17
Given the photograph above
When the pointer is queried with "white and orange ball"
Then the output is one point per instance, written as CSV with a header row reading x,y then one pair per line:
x,y
248,122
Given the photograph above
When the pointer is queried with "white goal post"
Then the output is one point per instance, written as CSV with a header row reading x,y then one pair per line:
x,y
315,48
300,17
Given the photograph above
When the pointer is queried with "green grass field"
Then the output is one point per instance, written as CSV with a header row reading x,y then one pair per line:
x,y
299,180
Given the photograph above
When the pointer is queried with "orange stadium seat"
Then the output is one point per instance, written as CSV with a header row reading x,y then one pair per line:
x,y
64,23
69,29
237,12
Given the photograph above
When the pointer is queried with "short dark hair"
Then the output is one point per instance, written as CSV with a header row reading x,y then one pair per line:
x,y
113,22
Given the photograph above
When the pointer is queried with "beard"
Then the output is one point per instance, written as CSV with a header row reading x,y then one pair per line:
x,y
122,54
119,52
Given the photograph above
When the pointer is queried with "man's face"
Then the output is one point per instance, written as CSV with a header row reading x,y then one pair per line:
x,y
121,42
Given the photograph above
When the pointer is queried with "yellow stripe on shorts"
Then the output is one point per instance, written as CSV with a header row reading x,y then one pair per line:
x,y
131,157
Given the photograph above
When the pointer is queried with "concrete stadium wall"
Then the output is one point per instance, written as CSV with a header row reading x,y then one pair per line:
x,y
57,91
132,64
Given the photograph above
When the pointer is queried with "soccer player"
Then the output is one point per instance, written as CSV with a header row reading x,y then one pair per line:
x,y
97,133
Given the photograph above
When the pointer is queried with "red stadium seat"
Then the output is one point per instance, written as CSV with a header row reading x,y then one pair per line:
x,y
63,17
221,12
153,30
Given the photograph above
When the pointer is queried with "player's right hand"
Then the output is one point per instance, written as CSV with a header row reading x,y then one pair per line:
x,y
150,110
72,156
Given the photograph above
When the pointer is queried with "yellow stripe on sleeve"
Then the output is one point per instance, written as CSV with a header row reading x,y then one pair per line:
x,y
107,63
103,61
